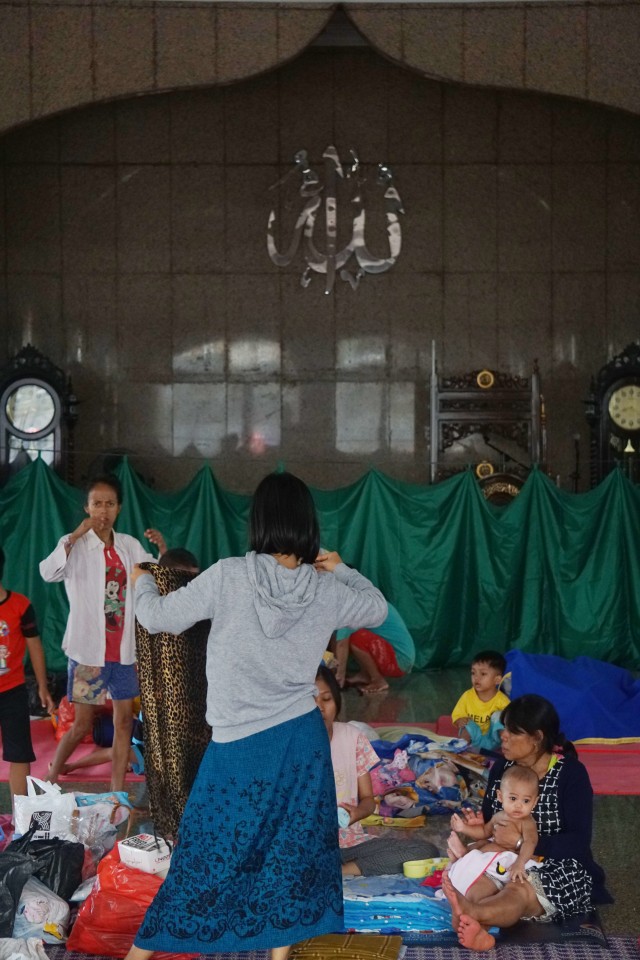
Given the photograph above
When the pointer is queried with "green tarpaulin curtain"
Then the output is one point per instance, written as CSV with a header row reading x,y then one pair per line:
x,y
552,572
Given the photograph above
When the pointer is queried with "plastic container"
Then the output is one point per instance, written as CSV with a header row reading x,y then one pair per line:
x,y
145,852
417,869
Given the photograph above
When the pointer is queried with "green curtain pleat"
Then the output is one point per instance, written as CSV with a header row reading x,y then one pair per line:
x,y
36,509
552,572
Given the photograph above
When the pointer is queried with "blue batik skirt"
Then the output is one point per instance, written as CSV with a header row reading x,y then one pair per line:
x,y
256,864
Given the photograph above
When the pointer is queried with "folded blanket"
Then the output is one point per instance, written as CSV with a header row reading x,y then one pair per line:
x,y
393,903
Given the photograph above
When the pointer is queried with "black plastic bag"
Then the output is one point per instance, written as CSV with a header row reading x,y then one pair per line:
x,y
15,870
56,863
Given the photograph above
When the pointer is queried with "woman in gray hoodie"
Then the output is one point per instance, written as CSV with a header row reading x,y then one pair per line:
x,y
257,865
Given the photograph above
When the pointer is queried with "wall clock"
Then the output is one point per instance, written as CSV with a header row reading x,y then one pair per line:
x,y
613,414
624,407
37,414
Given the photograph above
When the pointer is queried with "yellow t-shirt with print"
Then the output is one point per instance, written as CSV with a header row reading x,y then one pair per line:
x,y
470,705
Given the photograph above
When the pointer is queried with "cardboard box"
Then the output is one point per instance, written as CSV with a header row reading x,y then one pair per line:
x,y
146,853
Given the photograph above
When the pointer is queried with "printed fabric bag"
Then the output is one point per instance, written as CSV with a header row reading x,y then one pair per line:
x,y
50,812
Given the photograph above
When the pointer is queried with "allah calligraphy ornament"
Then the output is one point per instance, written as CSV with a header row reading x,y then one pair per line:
x,y
313,192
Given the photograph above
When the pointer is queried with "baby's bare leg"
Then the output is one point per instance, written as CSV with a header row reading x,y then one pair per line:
x,y
482,888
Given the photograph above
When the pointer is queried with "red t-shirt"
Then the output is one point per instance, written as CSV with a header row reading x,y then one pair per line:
x,y
17,622
115,595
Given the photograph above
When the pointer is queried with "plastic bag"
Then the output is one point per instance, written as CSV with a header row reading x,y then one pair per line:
x,y
15,870
41,913
19,949
108,920
116,798
51,812
64,718
98,817
81,893
56,863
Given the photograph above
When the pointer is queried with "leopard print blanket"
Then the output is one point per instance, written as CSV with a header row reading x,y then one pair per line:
x,y
173,694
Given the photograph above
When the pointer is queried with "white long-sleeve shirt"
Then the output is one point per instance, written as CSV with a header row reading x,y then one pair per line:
x,y
84,574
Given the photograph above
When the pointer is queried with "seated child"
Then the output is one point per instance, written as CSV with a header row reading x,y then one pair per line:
x,y
477,712
380,651
506,843
352,757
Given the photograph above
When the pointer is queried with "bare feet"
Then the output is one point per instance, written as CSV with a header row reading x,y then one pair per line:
x,y
455,846
474,936
451,894
356,679
376,686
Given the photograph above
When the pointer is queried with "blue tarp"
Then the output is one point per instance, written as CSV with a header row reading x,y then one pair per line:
x,y
595,700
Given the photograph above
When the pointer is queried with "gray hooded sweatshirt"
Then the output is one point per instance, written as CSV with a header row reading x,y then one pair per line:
x,y
269,628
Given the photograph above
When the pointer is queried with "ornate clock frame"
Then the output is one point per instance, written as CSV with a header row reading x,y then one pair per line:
x,y
610,444
37,414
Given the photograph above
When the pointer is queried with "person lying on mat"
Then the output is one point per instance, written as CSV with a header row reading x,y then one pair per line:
x,y
94,562
380,651
353,757
505,843
18,633
568,881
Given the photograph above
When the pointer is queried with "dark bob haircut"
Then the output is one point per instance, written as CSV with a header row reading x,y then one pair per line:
x,y
104,480
329,677
283,518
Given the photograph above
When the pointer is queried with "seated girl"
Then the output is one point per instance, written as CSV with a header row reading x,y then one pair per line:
x,y
353,757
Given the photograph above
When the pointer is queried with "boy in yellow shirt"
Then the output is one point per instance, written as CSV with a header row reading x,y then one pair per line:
x,y
477,712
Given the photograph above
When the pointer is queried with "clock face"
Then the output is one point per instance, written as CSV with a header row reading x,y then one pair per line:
x,y
624,407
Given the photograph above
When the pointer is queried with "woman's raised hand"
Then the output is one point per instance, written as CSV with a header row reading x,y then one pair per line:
x,y
89,523
156,537
327,561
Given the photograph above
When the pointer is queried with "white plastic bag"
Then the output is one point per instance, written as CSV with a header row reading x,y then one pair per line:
x,y
98,817
50,811
41,913
17,948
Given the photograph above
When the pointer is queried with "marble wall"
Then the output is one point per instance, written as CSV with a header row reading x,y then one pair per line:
x,y
133,239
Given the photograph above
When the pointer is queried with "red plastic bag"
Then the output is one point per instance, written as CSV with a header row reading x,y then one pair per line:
x,y
109,918
64,721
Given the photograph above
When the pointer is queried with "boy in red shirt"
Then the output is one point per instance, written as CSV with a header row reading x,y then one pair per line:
x,y
18,631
